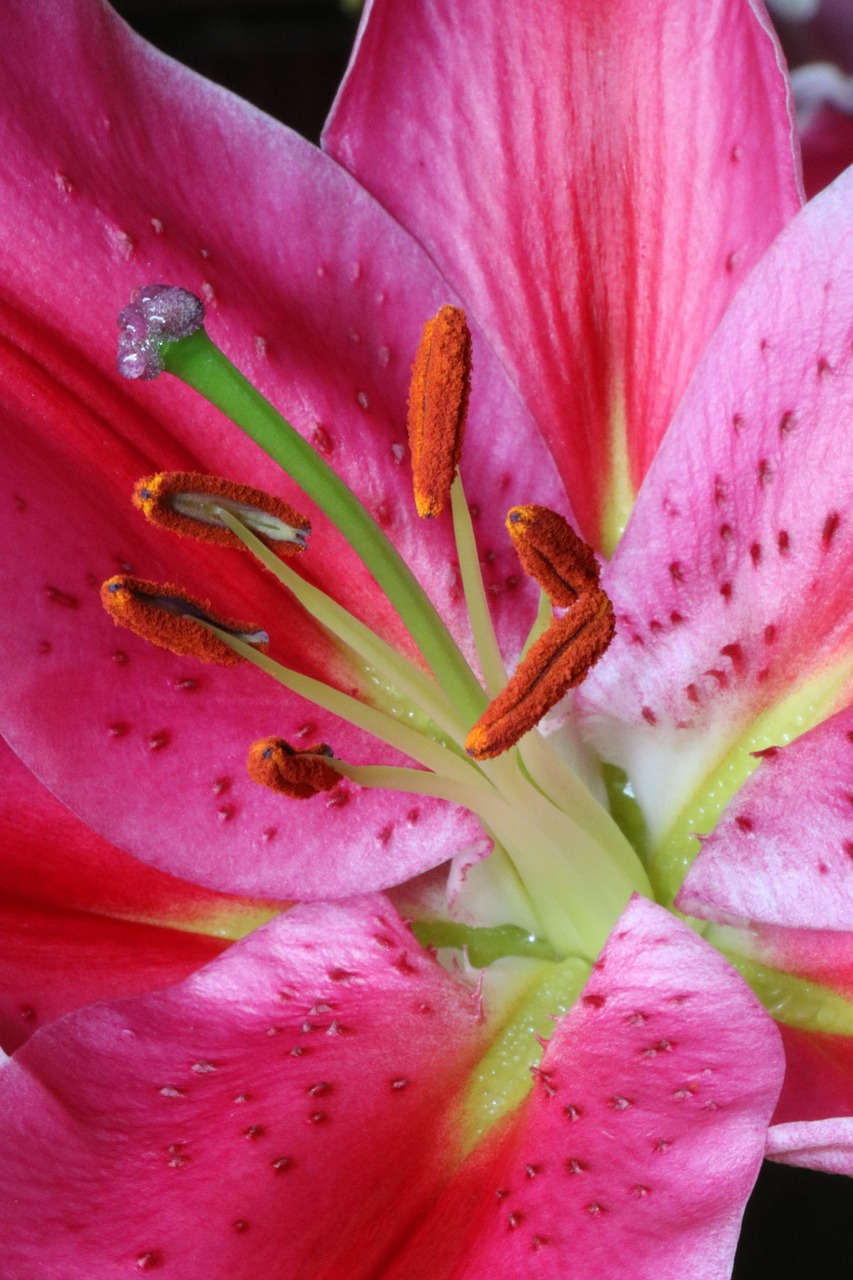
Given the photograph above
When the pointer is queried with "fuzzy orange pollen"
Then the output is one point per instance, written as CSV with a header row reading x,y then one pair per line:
x,y
438,404
298,774
158,498
557,661
170,618
551,552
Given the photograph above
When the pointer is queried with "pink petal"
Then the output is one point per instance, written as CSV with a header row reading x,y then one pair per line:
x,y
289,1106
49,855
733,582
325,317
54,960
782,854
237,1156
781,858
824,1144
595,180
642,1139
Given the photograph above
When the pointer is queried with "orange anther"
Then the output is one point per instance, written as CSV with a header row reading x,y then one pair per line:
x,y
438,403
189,503
551,552
297,773
557,661
168,617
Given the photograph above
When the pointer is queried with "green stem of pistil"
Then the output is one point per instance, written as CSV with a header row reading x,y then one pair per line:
x,y
197,361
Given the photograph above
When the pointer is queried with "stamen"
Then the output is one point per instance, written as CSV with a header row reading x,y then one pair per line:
x,y
297,773
170,618
438,403
155,316
557,661
551,552
192,504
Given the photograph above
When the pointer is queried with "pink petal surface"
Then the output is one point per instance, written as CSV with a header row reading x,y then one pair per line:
x,y
826,1145
818,1078
121,169
49,855
781,859
285,1108
643,1135
237,1156
595,180
783,851
54,960
733,581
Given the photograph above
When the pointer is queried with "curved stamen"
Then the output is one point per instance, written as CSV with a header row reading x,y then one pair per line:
x,y
193,505
170,618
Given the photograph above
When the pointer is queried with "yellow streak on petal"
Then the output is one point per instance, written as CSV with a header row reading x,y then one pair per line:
x,y
540,990
803,708
619,496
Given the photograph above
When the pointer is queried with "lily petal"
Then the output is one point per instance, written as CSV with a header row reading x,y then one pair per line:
x,y
581,177
645,1085
51,856
794,891
758,865
732,585
301,1094
287,1106
54,960
324,319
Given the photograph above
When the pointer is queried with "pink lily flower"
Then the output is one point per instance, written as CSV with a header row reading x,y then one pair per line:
x,y
318,282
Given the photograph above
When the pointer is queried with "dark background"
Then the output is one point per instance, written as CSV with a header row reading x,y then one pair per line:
x,y
287,56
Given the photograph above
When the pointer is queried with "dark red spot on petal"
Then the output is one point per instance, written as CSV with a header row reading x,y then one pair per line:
x,y
830,528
